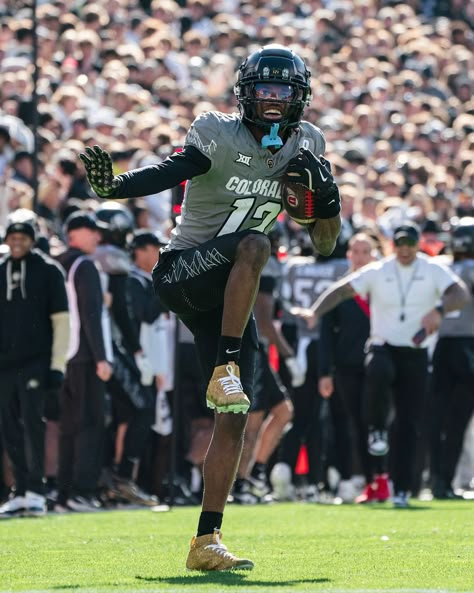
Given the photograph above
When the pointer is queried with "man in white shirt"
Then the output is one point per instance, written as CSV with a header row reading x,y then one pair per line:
x,y
409,294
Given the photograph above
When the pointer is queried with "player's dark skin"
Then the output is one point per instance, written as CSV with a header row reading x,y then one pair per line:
x,y
224,452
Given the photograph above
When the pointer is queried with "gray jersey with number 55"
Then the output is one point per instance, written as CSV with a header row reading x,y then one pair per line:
x,y
242,189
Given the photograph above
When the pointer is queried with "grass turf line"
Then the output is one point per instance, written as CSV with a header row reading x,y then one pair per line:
x,y
296,548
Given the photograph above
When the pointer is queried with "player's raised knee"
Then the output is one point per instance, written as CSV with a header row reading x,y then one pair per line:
x,y
255,248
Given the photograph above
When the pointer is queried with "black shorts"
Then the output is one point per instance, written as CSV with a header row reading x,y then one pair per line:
x,y
269,390
191,283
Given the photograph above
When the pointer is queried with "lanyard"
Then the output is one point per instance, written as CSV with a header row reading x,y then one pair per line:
x,y
404,293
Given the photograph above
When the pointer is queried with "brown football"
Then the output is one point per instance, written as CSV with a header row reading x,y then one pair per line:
x,y
298,201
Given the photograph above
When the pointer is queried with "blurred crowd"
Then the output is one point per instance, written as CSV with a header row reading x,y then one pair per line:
x,y
392,82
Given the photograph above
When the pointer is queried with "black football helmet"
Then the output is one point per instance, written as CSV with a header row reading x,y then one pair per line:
x,y
273,64
118,220
462,241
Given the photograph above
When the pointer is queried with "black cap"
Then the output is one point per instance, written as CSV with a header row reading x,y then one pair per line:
x,y
407,230
21,227
142,238
82,220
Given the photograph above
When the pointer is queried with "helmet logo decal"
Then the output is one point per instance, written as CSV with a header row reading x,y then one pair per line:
x,y
244,159
266,72
285,74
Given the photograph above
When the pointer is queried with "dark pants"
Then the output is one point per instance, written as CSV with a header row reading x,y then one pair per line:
x,y
453,395
82,429
350,429
396,380
191,283
22,396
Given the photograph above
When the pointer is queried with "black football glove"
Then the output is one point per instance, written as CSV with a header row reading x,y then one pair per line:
x,y
315,174
99,171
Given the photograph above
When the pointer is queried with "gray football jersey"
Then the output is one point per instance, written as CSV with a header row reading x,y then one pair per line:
x,y
461,323
242,189
305,279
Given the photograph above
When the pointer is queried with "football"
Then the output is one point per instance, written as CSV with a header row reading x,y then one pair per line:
x,y
298,202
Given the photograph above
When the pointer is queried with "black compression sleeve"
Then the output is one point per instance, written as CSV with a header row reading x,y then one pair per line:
x,y
153,179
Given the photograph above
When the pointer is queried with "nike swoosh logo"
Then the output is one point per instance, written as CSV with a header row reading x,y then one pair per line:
x,y
232,351
322,176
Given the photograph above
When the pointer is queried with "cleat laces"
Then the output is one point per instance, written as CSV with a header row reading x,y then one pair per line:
x,y
222,550
231,384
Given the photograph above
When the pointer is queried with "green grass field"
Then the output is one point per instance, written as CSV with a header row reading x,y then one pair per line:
x,y
296,547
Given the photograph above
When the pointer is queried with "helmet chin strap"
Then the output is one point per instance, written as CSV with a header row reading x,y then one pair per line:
x,y
272,139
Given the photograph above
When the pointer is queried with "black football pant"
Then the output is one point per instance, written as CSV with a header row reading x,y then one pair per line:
x,y
81,431
396,381
191,283
22,397
453,395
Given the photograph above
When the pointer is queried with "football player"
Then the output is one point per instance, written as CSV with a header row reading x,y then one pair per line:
x,y
209,272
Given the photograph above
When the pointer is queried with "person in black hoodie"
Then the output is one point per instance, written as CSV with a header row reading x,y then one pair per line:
x,y
34,331
82,401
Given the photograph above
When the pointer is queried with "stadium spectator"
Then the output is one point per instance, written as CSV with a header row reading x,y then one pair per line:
x,y
89,357
34,336
209,272
409,295
6,152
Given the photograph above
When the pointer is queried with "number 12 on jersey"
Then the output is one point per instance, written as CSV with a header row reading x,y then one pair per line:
x,y
264,216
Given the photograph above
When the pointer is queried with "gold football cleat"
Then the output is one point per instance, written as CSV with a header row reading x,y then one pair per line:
x,y
207,552
225,392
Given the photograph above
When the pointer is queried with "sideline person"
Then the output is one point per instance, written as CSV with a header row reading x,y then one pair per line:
x,y
33,341
409,295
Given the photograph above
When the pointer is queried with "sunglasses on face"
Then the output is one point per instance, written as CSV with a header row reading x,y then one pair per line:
x,y
408,241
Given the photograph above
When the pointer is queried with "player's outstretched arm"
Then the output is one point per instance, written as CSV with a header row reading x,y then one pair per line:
x,y
151,179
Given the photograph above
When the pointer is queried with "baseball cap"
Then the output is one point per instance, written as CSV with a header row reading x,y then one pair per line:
x,y
83,220
142,238
407,230
21,227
